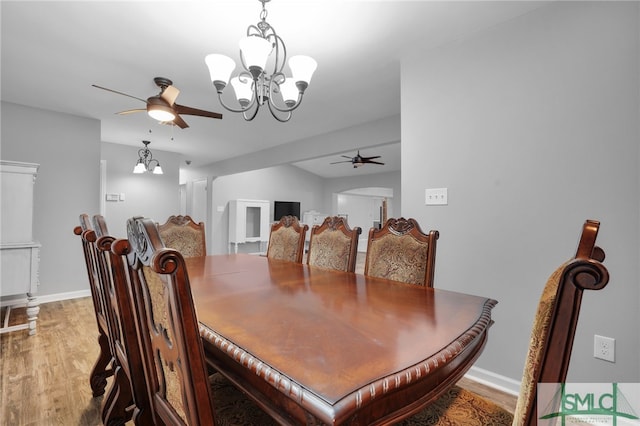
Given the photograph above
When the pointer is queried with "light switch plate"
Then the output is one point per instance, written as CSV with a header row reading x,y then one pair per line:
x,y
112,197
436,197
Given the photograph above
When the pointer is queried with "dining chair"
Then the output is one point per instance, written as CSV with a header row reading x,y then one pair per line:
x,y
333,245
550,345
127,397
400,251
180,390
185,235
103,367
287,239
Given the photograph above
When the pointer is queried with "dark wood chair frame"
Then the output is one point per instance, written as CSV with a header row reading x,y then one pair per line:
x,y
584,272
128,398
401,226
301,230
186,352
103,367
337,223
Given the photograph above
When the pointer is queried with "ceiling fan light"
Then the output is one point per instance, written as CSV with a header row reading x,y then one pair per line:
x,y
255,51
139,168
243,88
220,69
161,112
159,109
302,68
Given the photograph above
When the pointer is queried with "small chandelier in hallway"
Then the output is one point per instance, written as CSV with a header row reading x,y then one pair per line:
x,y
146,162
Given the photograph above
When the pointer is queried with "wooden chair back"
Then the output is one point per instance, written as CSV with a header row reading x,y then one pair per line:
x,y
128,398
177,377
103,367
400,251
287,239
556,320
185,235
333,245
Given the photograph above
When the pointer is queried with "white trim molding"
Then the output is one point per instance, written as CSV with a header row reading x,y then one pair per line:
x,y
493,380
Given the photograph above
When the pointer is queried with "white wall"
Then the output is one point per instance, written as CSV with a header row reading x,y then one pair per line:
x,y
68,150
378,180
533,127
146,194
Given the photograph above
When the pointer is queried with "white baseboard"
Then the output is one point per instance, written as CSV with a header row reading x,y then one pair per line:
x,y
47,298
493,380
64,296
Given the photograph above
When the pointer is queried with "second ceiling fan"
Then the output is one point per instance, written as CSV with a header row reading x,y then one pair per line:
x,y
163,106
359,160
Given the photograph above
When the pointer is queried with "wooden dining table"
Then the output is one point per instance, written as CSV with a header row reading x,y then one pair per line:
x,y
316,346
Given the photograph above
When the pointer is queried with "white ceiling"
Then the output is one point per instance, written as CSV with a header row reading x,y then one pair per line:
x,y
52,52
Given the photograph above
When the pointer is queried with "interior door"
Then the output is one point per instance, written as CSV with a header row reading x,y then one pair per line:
x,y
199,201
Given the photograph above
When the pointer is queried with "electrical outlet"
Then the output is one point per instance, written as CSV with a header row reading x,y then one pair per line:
x,y
604,348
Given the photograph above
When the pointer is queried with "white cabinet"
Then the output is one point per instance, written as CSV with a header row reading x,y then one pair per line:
x,y
248,222
19,253
313,218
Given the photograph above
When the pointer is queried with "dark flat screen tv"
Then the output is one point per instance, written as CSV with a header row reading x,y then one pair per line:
x,y
284,208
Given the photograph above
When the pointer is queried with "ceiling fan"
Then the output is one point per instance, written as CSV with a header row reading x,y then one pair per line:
x,y
162,106
359,160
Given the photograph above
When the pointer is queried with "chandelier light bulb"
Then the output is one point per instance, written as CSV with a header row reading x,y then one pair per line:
x,y
289,92
302,68
255,50
139,168
243,87
220,69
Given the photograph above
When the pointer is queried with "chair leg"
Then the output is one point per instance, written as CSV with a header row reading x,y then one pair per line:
x,y
101,370
117,408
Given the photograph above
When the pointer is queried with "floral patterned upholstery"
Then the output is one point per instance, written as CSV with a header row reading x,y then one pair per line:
x,y
286,241
549,346
333,245
400,251
183,234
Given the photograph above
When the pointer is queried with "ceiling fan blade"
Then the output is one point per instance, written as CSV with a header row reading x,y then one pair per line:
x,y
178,121
119,93
345,156
370,158
374,162
169,94
130,111
181,109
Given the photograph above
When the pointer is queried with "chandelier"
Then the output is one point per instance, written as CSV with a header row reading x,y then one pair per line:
x,y
254,86
146,162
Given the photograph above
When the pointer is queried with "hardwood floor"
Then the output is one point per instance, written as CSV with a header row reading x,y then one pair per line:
x,y
44,378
